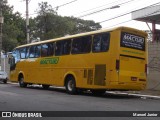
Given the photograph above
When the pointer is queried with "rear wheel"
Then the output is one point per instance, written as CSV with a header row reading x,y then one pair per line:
x,y
45,86
71,85
22,83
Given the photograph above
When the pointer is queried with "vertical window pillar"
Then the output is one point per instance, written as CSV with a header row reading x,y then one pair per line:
x,y
153,31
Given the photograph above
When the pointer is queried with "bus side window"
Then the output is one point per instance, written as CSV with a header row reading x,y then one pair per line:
x,y
63,47
34,51
16,55
75,48
66,47
27,52
50,51
44,50
81,45
23,53
47,49
37,51
101,42
31,52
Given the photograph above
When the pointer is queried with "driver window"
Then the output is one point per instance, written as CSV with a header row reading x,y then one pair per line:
x,y
16,55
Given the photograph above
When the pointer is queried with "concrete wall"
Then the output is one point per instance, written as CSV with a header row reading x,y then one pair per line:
x,y
154,65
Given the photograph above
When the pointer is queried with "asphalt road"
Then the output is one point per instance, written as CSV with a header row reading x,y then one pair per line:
x,y
34,98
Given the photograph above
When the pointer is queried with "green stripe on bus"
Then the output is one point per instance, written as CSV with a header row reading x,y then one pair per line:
x,y
49,60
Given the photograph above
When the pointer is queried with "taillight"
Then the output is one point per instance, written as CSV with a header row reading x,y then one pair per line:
x,y
146,69
117,65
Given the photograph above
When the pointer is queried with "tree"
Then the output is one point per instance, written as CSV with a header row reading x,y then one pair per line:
x,y
49,25
83,25
13,28
46,25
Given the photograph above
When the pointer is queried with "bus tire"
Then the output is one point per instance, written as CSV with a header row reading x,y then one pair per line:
x,y
45,86
22,83
71,85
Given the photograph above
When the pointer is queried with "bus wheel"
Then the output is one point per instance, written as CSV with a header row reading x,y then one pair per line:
x,y
98,92
71,85
45,86
22,83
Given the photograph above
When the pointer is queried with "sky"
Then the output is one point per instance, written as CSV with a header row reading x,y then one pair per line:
x,y
81,9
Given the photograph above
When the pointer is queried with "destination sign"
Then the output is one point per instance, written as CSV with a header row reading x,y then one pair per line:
x,y
132,41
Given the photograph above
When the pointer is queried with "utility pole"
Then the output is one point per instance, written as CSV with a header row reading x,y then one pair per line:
x,y
27,22
1,22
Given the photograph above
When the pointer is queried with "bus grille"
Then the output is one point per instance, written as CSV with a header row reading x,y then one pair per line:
x,y
100,74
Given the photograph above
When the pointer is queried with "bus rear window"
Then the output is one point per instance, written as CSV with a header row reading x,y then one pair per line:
x,y
132,41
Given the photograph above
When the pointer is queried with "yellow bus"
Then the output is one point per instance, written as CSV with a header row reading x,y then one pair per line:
x,y
112,59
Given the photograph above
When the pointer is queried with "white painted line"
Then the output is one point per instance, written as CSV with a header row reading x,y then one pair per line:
x,y
147,96
139,95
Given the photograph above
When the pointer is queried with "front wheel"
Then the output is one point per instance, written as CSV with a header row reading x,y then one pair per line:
x,y
22,83
71,85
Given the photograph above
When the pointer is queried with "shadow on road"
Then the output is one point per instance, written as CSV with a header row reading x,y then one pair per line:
x,y
108,94
84,93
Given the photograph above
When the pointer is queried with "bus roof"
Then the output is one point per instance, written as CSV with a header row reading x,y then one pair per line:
x,y
83,34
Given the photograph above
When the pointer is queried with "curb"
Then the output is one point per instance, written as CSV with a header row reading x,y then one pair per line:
x,y
143,96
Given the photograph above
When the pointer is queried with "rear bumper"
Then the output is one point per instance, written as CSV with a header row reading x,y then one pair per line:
x,y
126,86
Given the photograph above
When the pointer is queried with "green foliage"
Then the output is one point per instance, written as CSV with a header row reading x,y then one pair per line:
x,y
13,28
46,25
49,25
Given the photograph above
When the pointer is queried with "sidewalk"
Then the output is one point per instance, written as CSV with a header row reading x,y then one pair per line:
x,y
151,92
148,93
